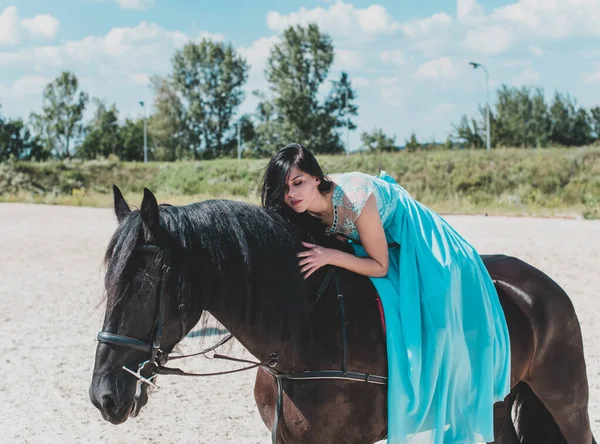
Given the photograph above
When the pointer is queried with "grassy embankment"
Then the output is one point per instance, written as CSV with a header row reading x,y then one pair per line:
x,y
540,182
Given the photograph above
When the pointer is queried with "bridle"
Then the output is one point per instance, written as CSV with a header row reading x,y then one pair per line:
x,y
157,357
156,364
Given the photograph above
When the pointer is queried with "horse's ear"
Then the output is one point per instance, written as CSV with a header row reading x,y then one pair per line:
x,y
150,211
121,207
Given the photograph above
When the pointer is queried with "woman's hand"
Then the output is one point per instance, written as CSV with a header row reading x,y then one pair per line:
x,y
314,258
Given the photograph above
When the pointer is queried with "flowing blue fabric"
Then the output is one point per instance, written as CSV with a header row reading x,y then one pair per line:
x,y
447,341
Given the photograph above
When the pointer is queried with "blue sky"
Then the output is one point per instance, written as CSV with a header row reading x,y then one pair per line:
x,y
408,60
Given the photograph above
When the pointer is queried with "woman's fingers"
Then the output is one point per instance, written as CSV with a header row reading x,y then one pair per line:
x,y
310,258
311,271
306,268
305,261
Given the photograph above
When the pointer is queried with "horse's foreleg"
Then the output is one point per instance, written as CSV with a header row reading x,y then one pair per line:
x,y
504,429
265,395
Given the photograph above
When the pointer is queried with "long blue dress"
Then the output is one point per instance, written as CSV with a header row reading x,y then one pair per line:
x,y
447,340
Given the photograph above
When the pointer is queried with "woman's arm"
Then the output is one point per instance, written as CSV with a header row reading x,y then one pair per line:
x,y
372,236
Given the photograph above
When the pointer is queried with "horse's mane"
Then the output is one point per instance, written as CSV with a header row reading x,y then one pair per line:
x,y
222,246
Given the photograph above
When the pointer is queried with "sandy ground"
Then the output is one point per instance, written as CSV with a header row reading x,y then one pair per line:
x,y
51,284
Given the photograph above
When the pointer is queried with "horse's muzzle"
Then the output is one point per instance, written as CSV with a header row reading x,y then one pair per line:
x,y
114,408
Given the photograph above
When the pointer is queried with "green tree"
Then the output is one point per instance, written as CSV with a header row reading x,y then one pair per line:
x,y
338,109
268,129
209,76
412,144
595,122
539,125
171,139
60,123
16,141
469,132
377,141
247,134
102,135
521,118
582,132
296,69
132,139
570,125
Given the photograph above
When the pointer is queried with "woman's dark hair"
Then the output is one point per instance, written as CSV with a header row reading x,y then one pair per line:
x,y
275,178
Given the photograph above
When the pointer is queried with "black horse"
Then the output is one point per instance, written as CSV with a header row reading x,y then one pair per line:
x,y
238,262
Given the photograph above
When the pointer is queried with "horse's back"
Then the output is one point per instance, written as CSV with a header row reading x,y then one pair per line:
x,y
533,291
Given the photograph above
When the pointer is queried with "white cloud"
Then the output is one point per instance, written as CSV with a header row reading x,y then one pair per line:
x,y
536,51
393,57
445,108
24,86
541,19
488,40
347,59
591,77
43,26
10,26
13,29
135,4
468,9
258,53
143,47
517,63
390,90
429,36
139,78
527,77
341,19
440,68
361,82
553,19
424,27
525,20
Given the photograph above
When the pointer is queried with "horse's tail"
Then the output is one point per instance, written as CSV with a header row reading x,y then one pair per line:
x,y
533,422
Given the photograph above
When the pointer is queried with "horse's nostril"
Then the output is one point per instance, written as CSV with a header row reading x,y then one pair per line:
x,y
108,404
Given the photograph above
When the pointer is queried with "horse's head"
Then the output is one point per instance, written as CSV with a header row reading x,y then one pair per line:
x,y
143,319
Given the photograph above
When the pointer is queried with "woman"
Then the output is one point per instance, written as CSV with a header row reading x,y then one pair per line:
x,y
447,340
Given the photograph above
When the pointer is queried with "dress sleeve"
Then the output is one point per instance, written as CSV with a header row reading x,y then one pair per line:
x,y
353,193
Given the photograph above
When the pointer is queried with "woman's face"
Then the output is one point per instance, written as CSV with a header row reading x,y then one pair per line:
x,y
301,190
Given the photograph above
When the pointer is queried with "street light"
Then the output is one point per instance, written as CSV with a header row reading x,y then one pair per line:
x,y
239,132
487,108
347,121
145,136
239,139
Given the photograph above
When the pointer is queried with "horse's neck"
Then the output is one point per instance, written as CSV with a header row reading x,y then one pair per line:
x,y
226,300
250,336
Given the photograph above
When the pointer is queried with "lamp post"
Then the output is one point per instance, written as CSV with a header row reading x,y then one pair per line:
x,y
145,135
487,108
347,121
239,139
